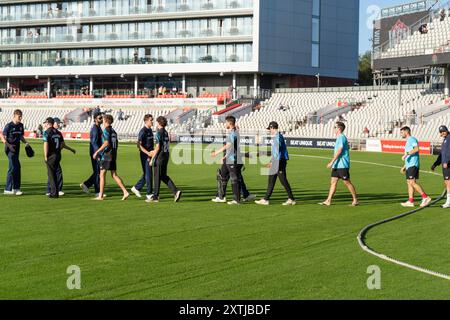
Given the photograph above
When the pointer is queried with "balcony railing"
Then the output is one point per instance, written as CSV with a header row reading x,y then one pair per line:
x,y
116,36
172,59
124,11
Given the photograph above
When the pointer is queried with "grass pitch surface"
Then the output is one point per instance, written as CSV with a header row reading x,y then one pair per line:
x,y
196,249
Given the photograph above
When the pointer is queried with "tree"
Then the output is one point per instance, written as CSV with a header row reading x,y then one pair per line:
x,y
365,69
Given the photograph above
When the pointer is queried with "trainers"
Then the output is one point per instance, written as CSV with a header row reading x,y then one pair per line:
x,y
262,202
8,193
136,192
98,195
250,197
84,188
233,203
148,196
425,202
290,202
60,193
152,199
445,206
177,196
407,204
218,200
17,192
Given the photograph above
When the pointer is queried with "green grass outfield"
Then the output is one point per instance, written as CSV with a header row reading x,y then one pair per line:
x,y
200,250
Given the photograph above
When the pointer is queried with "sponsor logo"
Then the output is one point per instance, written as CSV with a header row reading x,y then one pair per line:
x,y
398,146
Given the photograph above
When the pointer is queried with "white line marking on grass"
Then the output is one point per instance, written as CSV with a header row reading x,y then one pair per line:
x,y
362,162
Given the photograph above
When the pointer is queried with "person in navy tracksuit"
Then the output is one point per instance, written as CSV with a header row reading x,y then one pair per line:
x,y
13,135
95,143
444,160
59,172
146,144
277,166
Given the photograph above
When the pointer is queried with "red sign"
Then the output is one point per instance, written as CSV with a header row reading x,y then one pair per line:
x,y
66,135
398,146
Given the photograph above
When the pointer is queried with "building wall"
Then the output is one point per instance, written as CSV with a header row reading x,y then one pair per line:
x,y
282,50
197,85
286,37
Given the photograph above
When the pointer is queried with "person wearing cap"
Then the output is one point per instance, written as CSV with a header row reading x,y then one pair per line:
x,y
412,168
277,167
444,160
53,144
340,166
13,134
59,173
95,138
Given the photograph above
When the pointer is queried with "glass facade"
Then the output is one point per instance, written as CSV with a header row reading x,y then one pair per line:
x,y
168,29
140,55
74,33
99,8
315,37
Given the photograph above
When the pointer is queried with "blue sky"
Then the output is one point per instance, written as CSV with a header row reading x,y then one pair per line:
x,y
367,13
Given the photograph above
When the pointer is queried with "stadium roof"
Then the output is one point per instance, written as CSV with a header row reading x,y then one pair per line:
x,y
404,9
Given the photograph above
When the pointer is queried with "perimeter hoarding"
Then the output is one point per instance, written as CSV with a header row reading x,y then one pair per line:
x,y
395,146
253,140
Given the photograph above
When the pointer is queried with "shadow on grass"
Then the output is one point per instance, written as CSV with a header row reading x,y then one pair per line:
x,y
204,194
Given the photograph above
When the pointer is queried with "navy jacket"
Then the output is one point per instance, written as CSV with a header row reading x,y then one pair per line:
x,y
95,139
444,156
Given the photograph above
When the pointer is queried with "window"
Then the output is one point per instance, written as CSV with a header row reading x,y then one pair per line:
x,y
316,8
315,34
315,30
315,52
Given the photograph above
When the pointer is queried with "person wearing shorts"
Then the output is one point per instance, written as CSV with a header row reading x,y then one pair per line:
x,y
340,166
411,169
108,158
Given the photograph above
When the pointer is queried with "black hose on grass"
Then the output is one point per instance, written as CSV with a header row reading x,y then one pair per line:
x,y
362,236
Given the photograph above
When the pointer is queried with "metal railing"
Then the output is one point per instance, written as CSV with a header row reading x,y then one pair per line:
x,y
121,11
354,88
41,62
128,36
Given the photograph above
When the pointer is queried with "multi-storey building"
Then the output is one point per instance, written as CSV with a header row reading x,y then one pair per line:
x,y
195,46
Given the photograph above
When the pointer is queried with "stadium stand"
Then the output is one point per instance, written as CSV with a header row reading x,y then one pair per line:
x,y
367,112
221,97
435,39
133,119
33,117
313,114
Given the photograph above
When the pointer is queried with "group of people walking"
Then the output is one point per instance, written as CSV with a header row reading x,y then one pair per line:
x,y
154,149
